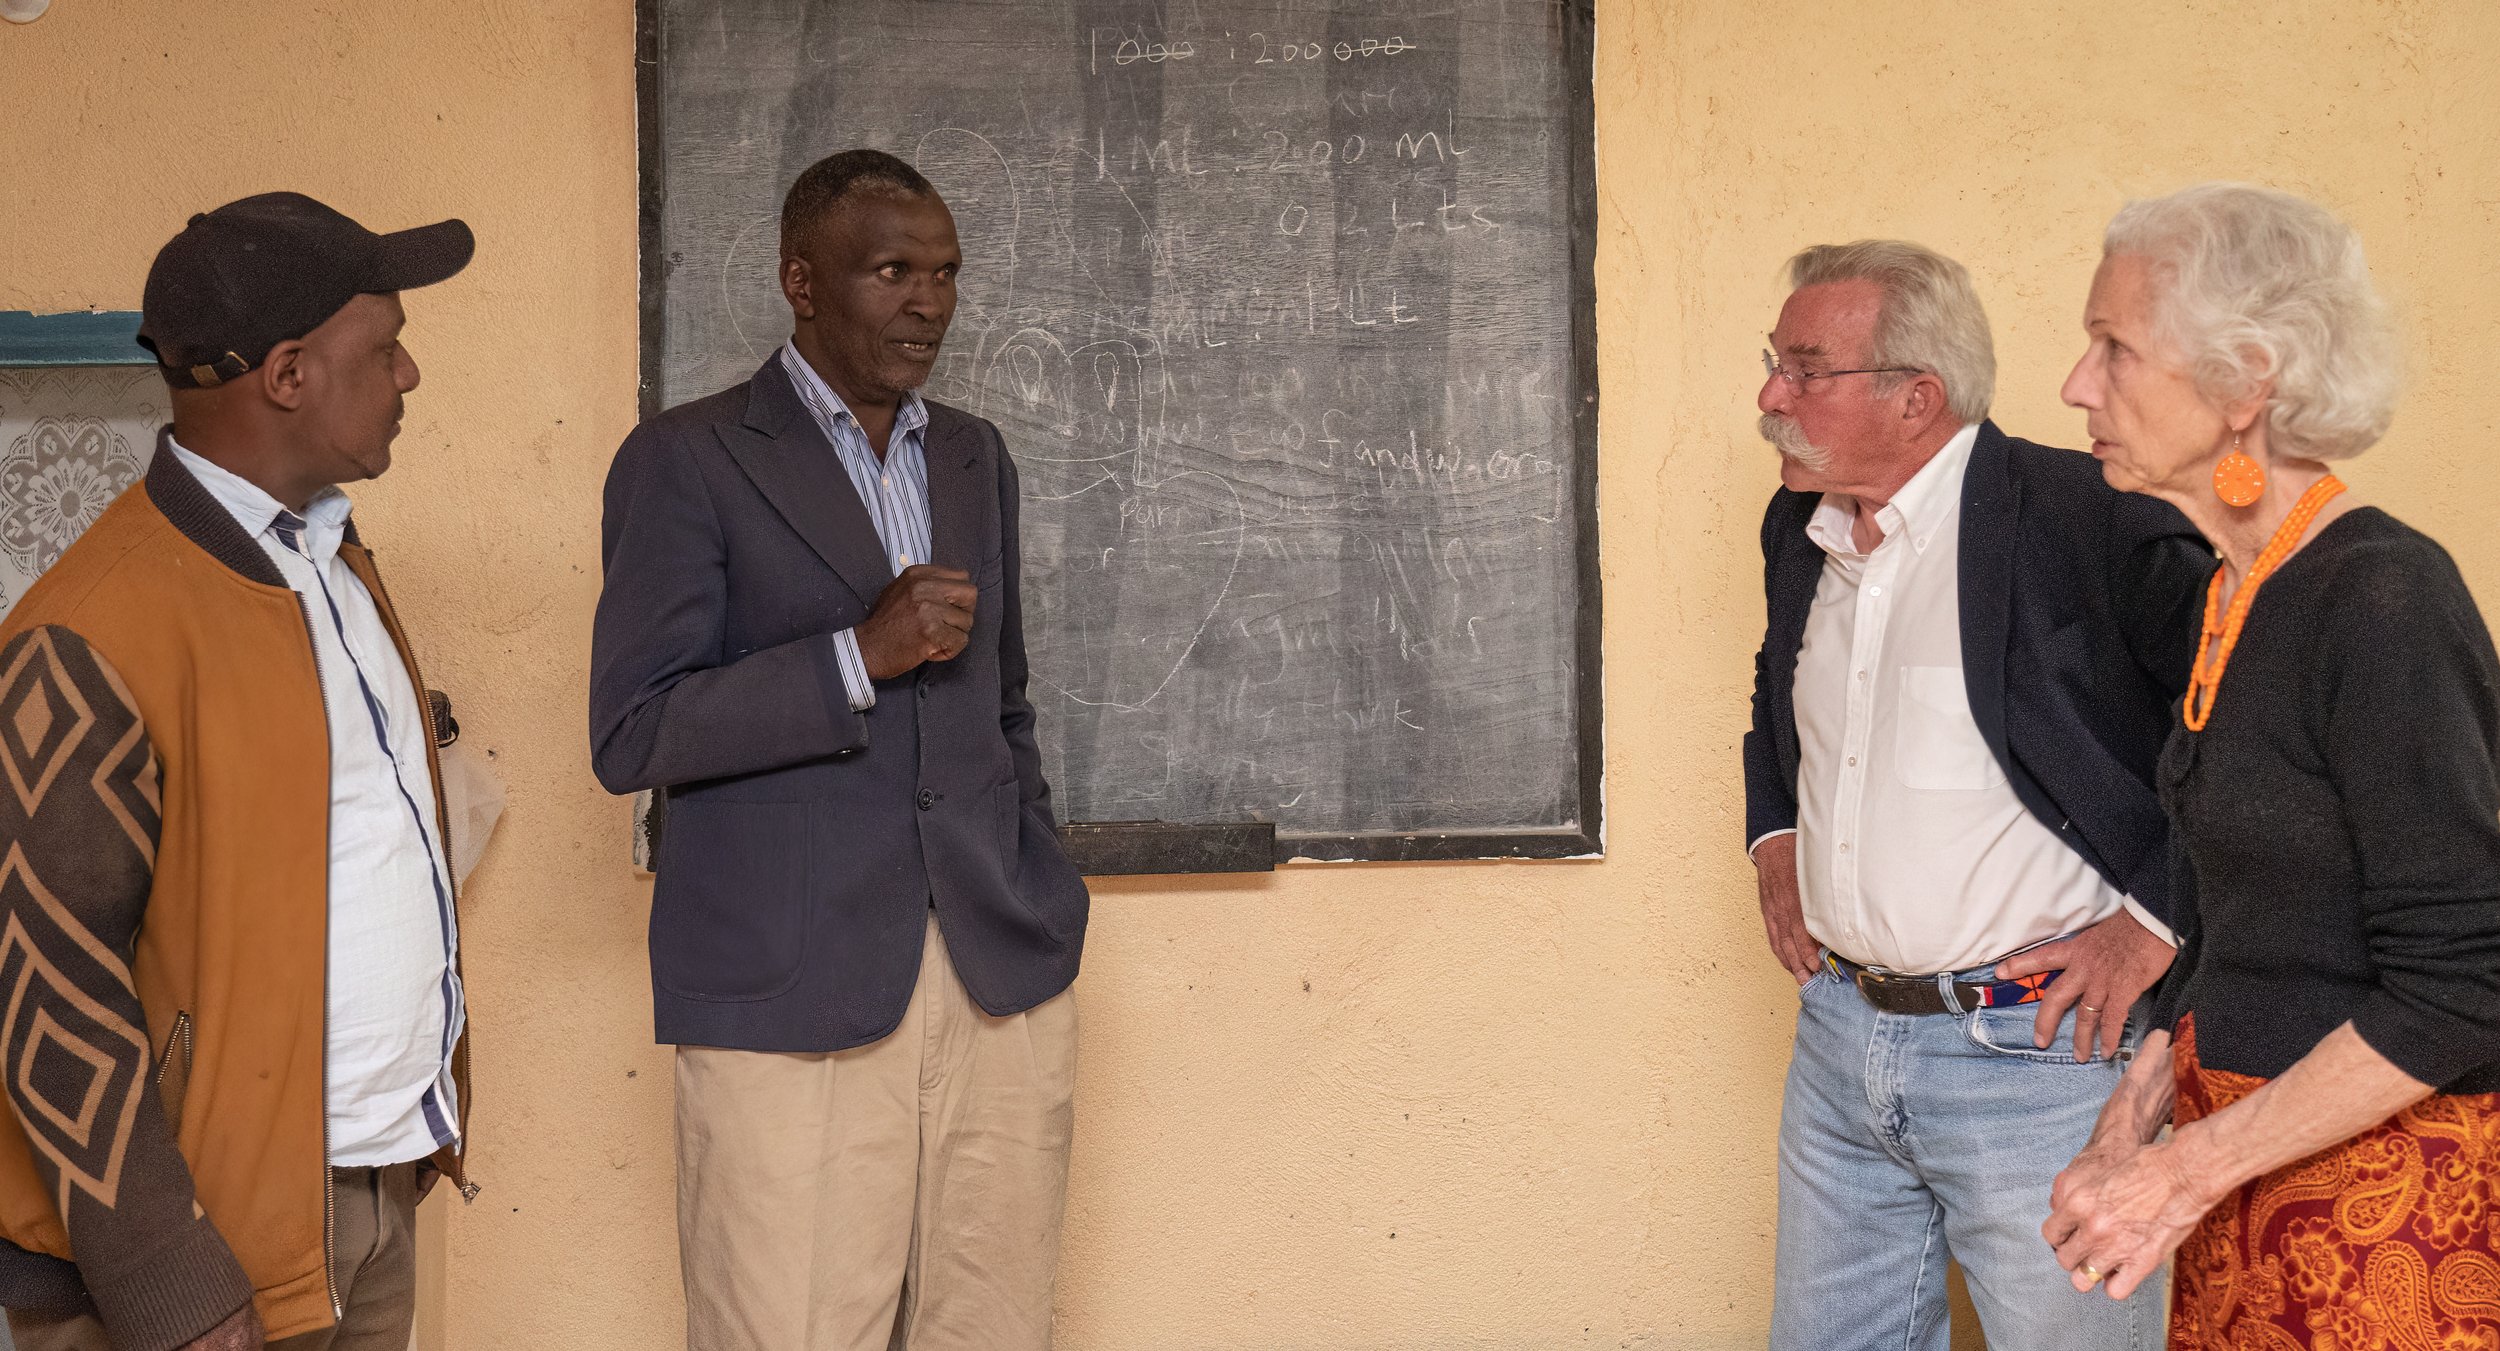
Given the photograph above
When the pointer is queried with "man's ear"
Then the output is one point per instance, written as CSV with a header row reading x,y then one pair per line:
x,y
797,282
1925,399
282,374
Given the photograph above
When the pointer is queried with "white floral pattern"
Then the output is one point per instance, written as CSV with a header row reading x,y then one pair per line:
x,y
71,440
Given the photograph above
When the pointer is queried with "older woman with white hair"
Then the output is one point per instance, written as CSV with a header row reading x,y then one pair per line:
x,y
2328,1042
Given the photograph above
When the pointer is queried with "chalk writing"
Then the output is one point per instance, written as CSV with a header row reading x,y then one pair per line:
x,y
1272,306
1286,51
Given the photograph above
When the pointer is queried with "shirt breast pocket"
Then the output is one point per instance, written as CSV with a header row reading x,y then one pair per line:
x,y
1936,744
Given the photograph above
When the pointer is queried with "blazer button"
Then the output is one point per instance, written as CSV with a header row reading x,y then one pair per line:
x,y
928,798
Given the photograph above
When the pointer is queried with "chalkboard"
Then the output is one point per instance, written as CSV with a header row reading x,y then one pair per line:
x,y
1285,311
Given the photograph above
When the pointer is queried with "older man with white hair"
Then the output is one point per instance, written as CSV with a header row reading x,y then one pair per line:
x,y
1973,647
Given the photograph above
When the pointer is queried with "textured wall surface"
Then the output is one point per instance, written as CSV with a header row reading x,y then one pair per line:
x,y
1381,1106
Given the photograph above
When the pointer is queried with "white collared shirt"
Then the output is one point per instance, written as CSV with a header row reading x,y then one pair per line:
x,y
395,1002
1913,852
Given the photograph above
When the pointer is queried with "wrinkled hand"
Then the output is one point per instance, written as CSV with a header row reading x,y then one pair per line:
x,y
1783,908
923,615
2106,968
2091,1168
2121,1210
240,1332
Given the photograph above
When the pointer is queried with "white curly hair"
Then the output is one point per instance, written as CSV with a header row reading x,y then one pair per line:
x,y
2257,286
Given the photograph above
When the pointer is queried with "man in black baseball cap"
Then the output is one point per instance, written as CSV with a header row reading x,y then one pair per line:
x,y
285,289
238,1061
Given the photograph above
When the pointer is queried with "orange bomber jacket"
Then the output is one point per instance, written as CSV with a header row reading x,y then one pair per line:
x,y
164,906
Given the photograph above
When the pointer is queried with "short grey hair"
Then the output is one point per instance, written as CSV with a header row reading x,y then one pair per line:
x,y
2254,285
1931,317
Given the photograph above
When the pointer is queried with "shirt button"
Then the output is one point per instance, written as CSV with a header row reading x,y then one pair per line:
x,y
1853,759
1874,591
1844,846
928,798
1861,675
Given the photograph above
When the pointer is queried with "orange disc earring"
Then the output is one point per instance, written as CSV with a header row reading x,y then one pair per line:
x,y
2239,480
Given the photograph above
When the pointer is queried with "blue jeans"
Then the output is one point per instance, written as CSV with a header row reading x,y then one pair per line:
x,y
1907,1137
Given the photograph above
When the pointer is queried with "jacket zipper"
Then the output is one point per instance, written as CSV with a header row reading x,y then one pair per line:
x,y
329,1184
177,1040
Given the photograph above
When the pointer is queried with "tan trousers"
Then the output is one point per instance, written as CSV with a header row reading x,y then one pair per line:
x,y
902,1194
373,1244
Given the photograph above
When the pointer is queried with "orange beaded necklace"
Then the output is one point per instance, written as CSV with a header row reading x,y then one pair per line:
x,y
2207,680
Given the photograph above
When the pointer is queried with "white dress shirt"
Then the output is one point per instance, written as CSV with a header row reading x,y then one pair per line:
x,y
395,1004
1913,852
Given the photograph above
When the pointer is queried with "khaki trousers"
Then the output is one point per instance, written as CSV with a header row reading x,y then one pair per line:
x,y
373,1244
902,1194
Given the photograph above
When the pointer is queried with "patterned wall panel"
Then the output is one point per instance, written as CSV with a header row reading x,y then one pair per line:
x,y
71,439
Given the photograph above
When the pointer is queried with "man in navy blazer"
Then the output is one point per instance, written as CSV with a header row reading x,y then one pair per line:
x,y
864,927
1972,652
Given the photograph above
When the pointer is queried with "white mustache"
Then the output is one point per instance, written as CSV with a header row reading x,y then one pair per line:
x,y
1790,441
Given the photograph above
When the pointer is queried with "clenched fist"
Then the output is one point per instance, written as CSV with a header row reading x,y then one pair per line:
x,y
923,615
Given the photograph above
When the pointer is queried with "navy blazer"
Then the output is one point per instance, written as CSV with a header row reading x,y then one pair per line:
x,y
2080,607
806,843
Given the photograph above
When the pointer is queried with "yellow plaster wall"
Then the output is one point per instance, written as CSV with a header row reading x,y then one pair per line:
x,y
1395,1106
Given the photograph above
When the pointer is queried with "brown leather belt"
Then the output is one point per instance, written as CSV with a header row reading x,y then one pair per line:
x,y
1894,992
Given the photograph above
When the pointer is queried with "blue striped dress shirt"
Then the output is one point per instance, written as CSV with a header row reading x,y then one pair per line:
x,y
895,491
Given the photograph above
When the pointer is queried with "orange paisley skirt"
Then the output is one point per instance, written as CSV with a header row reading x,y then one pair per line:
x,y
2385,1242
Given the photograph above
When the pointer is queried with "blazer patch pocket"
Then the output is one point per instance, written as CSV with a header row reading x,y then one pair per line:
x,y
729,916
1936,743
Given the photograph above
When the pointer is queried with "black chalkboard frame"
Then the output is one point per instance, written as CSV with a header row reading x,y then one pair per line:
x,y
1587,840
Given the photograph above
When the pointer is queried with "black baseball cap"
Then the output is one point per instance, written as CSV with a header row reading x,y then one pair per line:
x,y
251,274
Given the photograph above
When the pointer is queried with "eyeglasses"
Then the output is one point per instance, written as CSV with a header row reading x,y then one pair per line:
x,y
1797,379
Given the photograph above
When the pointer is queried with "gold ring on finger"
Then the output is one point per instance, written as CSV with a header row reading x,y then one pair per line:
x,y
2092,1273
